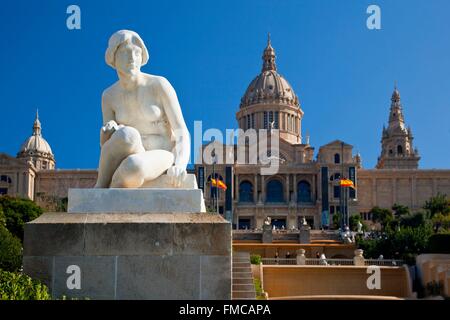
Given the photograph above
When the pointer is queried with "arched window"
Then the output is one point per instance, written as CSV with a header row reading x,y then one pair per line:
x,y
337,158
274,191
399,149
245,192
304,191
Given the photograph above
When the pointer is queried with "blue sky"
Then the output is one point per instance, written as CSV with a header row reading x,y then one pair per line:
x,y
342,72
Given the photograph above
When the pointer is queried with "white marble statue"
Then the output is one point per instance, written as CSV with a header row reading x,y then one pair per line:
x,y
359,226
143,133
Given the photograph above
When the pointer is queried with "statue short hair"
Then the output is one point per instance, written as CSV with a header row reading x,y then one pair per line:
x,y
120,37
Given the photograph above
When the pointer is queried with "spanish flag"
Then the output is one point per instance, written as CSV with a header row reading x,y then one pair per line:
x,y
219,184
346,183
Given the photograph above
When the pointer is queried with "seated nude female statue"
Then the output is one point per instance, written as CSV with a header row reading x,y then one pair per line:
x,y
143,133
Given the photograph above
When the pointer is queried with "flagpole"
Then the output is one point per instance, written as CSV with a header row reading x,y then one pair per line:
x,y
342,190
214,177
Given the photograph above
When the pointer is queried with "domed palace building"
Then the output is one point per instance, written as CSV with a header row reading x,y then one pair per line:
x,y
306,186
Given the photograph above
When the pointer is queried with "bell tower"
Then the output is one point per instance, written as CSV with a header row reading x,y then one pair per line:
x,y
397,141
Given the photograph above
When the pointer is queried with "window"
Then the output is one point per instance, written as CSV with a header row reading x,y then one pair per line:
x,y
275,191
304,191
337,158
265,120
399,149
277,118
244,223
331,209
336,191
279,224
3,191
245,192
337,176
5,178
253,120
270,117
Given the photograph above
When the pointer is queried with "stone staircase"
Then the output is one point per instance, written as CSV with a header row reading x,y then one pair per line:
x,y
243,287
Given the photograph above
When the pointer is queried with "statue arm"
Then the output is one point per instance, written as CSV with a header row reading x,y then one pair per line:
x,y
175,117
109,122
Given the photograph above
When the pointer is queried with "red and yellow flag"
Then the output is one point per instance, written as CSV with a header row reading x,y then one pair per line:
x,y
219,184
346,183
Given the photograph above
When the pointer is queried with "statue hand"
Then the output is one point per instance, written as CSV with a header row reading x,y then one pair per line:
x,y
110,126
107,130
177,175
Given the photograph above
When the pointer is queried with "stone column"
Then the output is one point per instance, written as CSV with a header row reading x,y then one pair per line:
x,y
294,181
305,236
255,189
435,187
374,192
394,190
413,192
237,188
313,189
287,189
263,189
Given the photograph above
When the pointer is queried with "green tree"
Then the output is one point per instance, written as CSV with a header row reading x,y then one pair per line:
x,y
337,220
17,212
438,204
413,220
400,210
383,216
353,220
10,251
405,243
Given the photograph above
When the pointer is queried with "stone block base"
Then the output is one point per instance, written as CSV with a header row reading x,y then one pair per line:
x,y
130,256
139,200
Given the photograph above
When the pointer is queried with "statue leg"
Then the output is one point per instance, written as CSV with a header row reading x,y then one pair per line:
x,y
141,167
124,142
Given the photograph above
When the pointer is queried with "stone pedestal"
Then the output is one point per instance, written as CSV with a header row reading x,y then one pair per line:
x,y
267,236
130,255
140,200
305,234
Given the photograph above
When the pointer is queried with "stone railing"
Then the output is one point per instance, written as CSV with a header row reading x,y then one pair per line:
x,y
358,260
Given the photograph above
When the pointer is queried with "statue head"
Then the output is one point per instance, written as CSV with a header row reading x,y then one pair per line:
x,y
126,52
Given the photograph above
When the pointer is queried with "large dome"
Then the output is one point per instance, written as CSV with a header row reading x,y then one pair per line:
x,y
36,145
269,86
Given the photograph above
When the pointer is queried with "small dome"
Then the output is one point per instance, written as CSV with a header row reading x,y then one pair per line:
x,y
269,86
36,144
